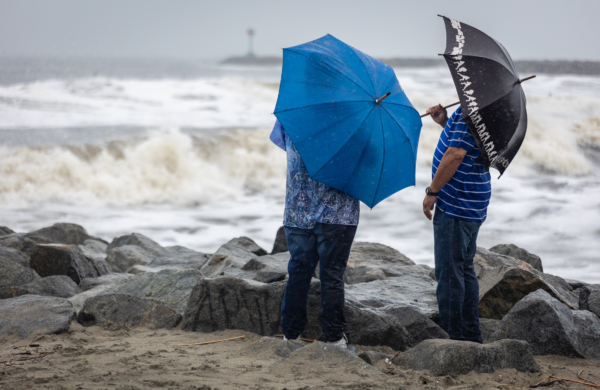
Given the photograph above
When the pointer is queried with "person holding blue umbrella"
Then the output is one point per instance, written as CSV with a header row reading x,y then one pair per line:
x,y
350,134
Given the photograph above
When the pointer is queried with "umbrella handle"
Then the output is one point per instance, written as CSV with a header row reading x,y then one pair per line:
x,y
449,105
383,97
526,78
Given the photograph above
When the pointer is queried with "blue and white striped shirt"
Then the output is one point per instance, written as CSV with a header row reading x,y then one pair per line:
x,y
467,195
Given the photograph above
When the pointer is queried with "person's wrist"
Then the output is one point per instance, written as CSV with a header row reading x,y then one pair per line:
x,y
429,191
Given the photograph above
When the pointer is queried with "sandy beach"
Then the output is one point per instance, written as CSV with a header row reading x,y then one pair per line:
x,y
94,358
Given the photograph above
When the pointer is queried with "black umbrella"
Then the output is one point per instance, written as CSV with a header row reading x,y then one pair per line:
x,y
490,93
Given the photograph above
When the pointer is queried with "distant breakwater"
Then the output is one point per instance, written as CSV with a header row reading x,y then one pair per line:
x,y
590,68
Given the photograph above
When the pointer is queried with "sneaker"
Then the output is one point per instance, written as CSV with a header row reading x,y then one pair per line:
x,y
286,339
343,343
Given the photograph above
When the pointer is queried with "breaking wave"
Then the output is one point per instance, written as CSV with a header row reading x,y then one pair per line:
x,y
168,166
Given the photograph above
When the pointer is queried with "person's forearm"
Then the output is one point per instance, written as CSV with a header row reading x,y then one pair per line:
x,y
446,169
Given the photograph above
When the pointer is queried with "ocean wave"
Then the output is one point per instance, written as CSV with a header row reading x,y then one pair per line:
x,y
167,167
170,166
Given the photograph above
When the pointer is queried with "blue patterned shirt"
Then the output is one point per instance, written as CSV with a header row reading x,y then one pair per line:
x,y
308,202
467,194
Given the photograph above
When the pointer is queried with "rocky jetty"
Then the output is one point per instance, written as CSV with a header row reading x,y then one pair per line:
x,y
60,274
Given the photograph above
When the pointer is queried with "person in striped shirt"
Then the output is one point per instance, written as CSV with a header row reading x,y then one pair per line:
x,y
460,191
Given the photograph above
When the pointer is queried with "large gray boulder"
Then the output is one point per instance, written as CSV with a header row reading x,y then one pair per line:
x,y
171,287
589,298
451,357
398,327
92,287
229,259
280,244
61,233
54,286
552,328
20,243
414,289
14,255
120,311
103,280
126,252
4,231
95,252
504,280
371,261
520,254
266,269
59,259
29,313
14,274
233,303
179,257
79,300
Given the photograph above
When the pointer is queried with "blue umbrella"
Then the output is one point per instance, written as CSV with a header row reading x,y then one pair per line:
x,y
349,119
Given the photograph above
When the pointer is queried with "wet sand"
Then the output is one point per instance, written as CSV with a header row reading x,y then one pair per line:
x,y
94,358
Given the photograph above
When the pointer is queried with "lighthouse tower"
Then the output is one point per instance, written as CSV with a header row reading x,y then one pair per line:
x,y
251,33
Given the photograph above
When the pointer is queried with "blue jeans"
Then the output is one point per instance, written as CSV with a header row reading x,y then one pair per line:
x,y
328,245
455,243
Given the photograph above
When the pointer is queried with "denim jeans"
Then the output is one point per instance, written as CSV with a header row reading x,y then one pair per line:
x,y
455,243
328,245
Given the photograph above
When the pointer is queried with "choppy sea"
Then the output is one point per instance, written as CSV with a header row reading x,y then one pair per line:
x,y
179,151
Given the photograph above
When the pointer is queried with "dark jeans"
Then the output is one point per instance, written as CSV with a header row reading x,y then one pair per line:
x,y
328,245
458,290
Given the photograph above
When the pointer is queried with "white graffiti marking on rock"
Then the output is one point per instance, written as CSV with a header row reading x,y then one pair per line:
x,y
471,100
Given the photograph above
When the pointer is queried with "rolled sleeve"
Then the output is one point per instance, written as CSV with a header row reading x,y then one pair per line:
x,y
459,135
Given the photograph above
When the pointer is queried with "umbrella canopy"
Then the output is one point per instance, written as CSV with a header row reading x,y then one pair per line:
x,y
490,93
331,103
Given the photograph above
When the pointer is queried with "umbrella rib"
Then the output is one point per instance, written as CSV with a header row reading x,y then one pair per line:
x,y
400,126
392,79
340,149
337,70
366,70
311,83
319,104
402,105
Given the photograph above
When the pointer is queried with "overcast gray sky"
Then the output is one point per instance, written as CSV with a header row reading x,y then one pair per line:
x,y
530,29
